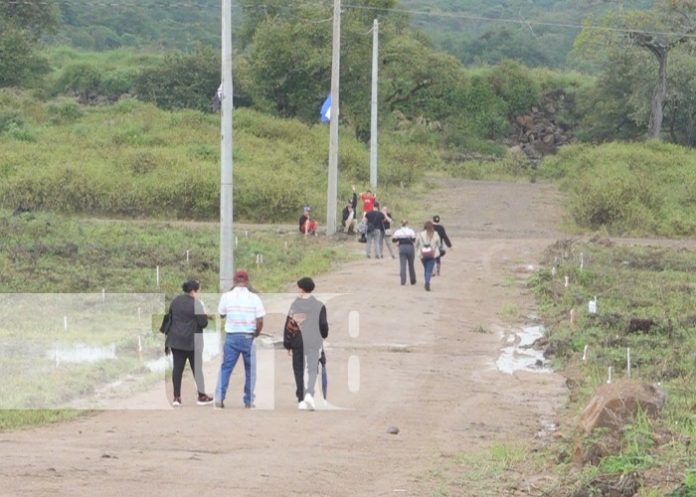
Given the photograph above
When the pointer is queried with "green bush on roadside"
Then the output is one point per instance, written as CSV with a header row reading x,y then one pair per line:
x,y
636,189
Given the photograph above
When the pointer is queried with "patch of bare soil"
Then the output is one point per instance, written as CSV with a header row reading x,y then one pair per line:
x,y
425,366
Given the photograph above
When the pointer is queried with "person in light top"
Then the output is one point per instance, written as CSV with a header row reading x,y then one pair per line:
x,y
406,237
243,313
428,246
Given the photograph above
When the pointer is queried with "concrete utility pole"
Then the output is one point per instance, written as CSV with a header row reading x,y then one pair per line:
x,y
332,193
373,115
226,166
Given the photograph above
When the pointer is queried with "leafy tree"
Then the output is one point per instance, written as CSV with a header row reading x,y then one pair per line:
x,y
616,105
286,63
34,17
21,26
514,85
501,43
20,63
288,67
680,108
658,31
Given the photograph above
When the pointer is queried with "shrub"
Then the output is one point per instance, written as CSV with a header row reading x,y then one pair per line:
x,y
633,188
515,85
64,112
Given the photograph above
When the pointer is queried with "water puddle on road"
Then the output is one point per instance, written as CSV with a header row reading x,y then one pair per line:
x,y
81,353
519,353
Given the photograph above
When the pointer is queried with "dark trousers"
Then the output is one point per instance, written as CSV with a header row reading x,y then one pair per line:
x,y
179,358
298,366
406,258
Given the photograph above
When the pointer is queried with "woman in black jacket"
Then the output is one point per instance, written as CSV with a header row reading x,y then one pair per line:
x,y
185,339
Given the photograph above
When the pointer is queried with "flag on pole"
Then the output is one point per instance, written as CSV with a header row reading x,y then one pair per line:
x,y
326,110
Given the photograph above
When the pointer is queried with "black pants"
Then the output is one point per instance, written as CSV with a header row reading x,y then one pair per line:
x,y
298,367
179,358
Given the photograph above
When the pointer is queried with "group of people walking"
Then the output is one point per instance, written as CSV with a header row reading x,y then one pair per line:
x,y
306,325
429,245
305,329
375,227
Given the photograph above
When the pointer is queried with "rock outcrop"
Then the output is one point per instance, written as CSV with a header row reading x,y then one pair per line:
x,y
544,128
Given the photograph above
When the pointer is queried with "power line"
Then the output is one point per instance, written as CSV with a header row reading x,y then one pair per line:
x,y
419,13
526,22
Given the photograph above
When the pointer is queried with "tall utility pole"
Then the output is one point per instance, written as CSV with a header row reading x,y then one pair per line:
x,y
226,167
332,193
373,115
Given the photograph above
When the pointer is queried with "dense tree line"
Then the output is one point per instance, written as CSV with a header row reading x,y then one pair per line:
x,y
282,63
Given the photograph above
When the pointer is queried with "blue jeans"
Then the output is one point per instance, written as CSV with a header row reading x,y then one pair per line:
x,y
235,344
428,265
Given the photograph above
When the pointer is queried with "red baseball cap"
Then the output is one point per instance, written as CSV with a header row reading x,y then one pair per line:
x,y
241,276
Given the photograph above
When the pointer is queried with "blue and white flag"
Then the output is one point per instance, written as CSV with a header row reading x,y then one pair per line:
x,y
326,110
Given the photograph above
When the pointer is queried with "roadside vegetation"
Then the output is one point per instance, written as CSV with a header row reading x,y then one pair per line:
x,y
644,304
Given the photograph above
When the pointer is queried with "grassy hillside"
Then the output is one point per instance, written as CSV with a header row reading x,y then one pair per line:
x,y
132,159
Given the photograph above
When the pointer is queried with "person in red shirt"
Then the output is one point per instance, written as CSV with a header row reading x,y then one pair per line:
x,y
368,200
308,226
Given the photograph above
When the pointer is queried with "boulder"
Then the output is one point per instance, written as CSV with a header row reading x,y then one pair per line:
x,y
614,405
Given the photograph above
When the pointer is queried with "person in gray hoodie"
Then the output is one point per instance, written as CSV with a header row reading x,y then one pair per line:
x,y
306,327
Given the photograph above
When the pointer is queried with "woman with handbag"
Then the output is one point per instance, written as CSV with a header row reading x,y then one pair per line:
x,y
188,317
428,245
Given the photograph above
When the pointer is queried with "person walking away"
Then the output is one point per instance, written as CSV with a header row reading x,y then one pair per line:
x,y
243,313
374,220
368,199
406,237
185,339
385,232
306,328
428,247
348,216
445,241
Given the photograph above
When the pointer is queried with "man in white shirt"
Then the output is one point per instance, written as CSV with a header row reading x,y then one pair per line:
x,y
243,313
406,237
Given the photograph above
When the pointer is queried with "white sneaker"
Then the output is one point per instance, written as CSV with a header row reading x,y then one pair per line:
x,y
302,406
309,401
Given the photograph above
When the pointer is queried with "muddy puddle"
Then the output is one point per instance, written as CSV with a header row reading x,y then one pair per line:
x,y
519,353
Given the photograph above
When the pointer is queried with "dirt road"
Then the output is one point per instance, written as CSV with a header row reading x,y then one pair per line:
x,y
427,365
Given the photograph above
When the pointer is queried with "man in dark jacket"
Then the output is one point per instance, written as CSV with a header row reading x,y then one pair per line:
x,y
375,225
